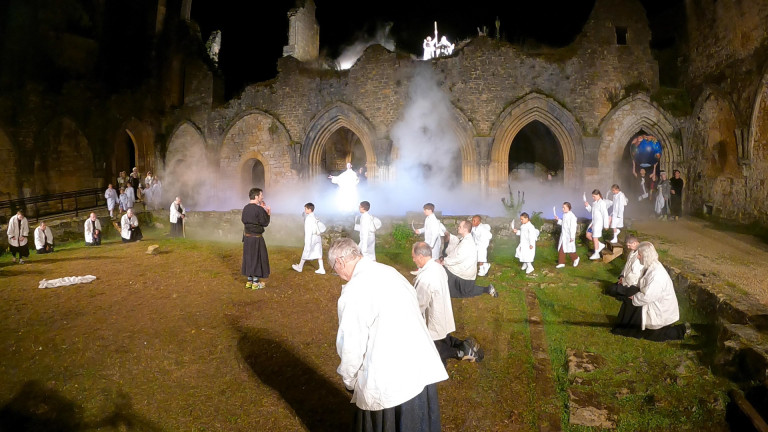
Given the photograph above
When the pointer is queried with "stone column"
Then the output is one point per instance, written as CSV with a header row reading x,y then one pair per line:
x,y
483,147
383,149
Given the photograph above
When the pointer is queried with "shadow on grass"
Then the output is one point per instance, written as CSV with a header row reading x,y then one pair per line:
x,y
319,404
39,408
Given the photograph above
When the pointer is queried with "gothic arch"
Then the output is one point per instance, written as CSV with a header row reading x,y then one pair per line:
x,y
757,140
629,117
142,135
64,160
560,121
256,135
711,135
186,139
328,121
187,170
465,133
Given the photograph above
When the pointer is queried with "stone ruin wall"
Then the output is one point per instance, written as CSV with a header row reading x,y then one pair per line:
x,y
602,85
587,79
726,135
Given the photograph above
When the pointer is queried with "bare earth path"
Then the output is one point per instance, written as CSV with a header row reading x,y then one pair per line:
x,y
732,262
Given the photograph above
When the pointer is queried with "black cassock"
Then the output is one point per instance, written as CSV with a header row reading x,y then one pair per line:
x,y
255,258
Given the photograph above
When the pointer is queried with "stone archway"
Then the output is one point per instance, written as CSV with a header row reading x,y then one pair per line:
x,y
630,117
756,150
187,171
64,161
712,155
536,107
142,137
255,135
322,128
254,171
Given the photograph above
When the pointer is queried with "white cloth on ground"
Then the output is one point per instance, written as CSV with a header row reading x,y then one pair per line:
x,y
69,280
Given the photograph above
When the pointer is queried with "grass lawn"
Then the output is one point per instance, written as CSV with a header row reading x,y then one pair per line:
x,y
174,342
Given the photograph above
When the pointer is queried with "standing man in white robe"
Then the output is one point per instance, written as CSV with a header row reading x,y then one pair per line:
x,y
313,243
482,235
129,227
43,239
567,242
130,197
617,212
346,196
433,231
600,221
112,200
92,230
388,359
526,250
177,215
367,229
18,236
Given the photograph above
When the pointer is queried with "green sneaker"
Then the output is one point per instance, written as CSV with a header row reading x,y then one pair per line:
x,y
248,285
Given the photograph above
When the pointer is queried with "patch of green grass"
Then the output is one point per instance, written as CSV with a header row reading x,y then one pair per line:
x,y
668,385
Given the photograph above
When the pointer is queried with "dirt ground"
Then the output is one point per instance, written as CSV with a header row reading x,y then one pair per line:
x,y
175,342
731,261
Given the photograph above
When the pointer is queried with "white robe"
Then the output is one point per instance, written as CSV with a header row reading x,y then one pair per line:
x,y
528,236
482,235
42,237
387,355
18,229
346,196
112,199
433,234
632,271
175,214
126,223
88,229
367,243
461,259
130,197
313,243
599,217
434,297
657,297
568,233
617,210
123,201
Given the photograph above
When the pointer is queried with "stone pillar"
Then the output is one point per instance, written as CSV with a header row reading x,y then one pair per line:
x,y
383,149
186,10
483,147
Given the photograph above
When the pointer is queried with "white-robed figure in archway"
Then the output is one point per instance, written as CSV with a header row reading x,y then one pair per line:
x,y
346,195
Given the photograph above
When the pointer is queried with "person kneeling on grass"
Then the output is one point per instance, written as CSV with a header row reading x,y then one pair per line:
x,y
43,239
653,309
129,227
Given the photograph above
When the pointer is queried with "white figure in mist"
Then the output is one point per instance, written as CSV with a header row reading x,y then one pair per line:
x,y
346,196
444,48
429,48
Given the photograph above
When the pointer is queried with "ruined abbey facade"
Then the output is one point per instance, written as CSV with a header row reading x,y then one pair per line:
x,y
593,97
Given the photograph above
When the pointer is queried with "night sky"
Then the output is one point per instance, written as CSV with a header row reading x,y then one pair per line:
x,y
254,32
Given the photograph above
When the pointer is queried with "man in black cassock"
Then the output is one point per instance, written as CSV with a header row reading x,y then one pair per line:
x,y
255,218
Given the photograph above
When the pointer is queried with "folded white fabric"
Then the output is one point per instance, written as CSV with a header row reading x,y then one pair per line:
x,y
69,280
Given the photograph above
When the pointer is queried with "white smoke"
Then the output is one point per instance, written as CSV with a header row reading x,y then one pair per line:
x,y
351,53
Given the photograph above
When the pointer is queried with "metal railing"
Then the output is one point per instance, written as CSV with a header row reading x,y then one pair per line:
x,y
42,206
